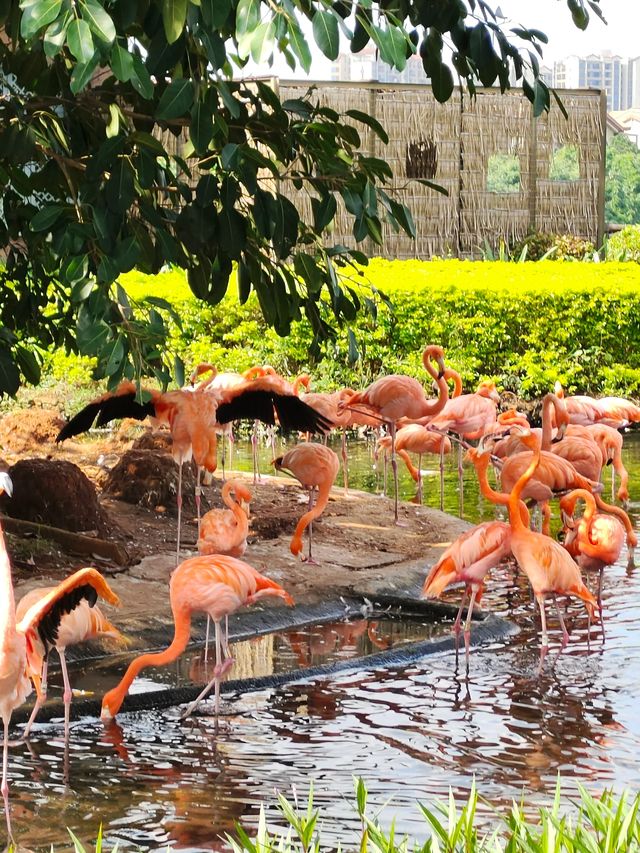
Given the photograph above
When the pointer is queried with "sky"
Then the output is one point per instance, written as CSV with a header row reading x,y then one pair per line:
x,y
619,35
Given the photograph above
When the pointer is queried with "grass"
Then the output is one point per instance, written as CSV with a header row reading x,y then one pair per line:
x,y
604,824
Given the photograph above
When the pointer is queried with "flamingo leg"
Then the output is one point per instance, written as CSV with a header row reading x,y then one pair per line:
x,y
223,459
420,478
230,441
254,450
41,697
345,467
613,484
179,502
68,693
198,496
5,785
310,527
394,468
206,640
546,518
442,475
221,667
458,623
467,625
565,633
543,620
460,482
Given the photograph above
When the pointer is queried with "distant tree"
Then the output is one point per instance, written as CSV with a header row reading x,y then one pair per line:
x,y
622,186
95,96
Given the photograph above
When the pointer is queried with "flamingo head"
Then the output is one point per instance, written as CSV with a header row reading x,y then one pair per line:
x,y
6,484
487,388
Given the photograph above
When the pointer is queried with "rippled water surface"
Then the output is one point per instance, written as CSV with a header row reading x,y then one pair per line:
x,y
411,732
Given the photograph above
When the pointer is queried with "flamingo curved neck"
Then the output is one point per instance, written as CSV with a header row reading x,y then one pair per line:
x,y
323,499
551,401
7,601
514,515
501,498
114,698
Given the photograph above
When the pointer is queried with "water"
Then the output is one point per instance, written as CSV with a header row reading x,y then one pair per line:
x,y
410,732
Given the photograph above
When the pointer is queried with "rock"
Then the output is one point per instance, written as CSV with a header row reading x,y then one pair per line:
x,y
22,431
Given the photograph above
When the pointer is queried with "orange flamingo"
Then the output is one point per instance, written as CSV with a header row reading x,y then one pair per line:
x,y
470,416
467,560
224,531
616,412
548,566
15,684
595,540
215,585
79,621
581,409
609,440
315,466
396,396
192,414
328,405
415,438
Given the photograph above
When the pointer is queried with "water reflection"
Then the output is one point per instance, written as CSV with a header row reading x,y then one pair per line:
x,y
411,732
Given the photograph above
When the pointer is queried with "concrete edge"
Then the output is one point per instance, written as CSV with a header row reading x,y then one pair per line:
x,y
487,628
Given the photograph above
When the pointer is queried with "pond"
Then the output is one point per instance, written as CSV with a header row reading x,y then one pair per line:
x,y
411,731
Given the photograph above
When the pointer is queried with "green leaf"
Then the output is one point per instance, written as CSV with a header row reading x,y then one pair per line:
x,y
56,35
262,42
47,216
299,45
371,122
174,16
121,63
82,74
215,12
37,15
176,100
113,354
92,334
140,79
120,190
201,127
28,364
540,98
99,20
306,267
442,82
244,282
9,375
75,270
113,127
247,17
326,33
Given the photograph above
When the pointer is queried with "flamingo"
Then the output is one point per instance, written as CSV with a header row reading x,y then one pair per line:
x,y
609,440
616,412
315,466
474,553
19,641
595,540
224,531
470,416
416,439
329,406
192,414
396,396
215,585
548,566
15,684
78,621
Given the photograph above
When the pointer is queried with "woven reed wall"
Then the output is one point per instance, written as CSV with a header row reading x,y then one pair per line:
x,y
454,142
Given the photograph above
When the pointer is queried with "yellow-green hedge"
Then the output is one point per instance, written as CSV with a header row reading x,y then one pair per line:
x,y
525,325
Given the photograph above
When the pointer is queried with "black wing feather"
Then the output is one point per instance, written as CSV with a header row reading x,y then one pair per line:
x,y
293,413
250,405
118,406
49,624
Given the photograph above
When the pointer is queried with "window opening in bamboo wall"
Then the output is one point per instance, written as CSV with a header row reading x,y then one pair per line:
x,y
503,174
421,158
565,164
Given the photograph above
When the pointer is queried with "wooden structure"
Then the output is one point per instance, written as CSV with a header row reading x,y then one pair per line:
x,y
452,145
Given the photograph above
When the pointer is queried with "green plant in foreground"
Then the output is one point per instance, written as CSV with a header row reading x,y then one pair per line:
x,y
598,825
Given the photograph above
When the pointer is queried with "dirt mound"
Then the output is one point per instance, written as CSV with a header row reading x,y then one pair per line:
x,y
55,492
149,478
154,440
30,428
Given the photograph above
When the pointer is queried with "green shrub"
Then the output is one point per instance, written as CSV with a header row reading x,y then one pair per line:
x,y
524,325
625,245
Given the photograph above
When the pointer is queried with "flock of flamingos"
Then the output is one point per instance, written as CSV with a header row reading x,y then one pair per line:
x,y
565,458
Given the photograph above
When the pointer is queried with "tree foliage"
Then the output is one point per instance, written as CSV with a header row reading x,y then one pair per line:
x,y
622,188
126,141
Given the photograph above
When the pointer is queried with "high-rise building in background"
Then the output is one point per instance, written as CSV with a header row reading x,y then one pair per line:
x,y
617,75
367,65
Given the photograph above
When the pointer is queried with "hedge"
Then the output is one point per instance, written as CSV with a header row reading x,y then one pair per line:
x,y
524,325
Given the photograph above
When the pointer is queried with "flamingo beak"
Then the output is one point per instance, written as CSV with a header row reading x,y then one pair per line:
x,y
495,396
560,434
